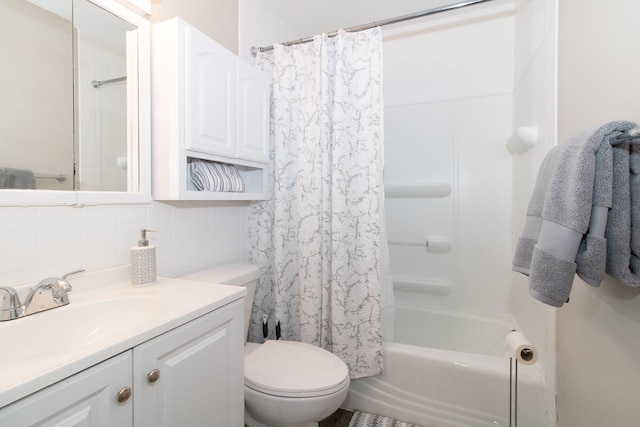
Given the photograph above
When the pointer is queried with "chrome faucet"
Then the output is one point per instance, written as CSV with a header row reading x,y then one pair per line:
x,y
10,307
46,294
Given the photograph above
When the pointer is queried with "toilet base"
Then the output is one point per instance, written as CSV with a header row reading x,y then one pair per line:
x,y
249,421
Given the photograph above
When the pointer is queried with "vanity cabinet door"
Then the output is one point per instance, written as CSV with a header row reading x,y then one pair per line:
x,y
210,95
253,114
89,398
193,375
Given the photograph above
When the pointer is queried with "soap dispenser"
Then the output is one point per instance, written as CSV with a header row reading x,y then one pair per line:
x,y
143,261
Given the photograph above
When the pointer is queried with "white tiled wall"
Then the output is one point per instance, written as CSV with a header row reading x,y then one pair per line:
x,y
102,115
39,242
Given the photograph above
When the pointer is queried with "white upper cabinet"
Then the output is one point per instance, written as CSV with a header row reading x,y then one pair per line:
x,y
210,95
207,105
252,114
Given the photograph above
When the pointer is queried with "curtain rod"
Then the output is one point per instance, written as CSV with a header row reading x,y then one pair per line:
x,y
255,50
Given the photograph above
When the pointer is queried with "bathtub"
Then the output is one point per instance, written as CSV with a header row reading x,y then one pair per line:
x,y
449,369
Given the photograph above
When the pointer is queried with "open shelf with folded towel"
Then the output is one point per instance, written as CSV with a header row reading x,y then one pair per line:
x,y
200,176
224,180
214,178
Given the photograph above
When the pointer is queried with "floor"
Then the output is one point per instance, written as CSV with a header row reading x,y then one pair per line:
x,y
340,418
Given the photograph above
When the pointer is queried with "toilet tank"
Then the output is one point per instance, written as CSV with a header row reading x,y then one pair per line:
x,y
246,275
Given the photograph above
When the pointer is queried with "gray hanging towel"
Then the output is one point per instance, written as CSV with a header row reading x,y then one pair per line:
x,y
566,226
623,226
17,178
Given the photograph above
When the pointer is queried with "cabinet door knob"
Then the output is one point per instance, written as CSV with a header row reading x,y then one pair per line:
x,y
124,394
153,376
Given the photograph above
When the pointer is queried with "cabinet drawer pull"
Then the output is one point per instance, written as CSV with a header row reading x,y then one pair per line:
x,y
153,376
124,394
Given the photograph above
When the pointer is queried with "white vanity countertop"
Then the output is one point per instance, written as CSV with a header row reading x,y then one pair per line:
x,y
105,316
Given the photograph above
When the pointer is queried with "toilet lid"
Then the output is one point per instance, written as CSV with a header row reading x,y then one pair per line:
x,y
294,369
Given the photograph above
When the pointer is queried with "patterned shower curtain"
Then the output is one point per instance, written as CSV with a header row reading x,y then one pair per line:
x,y
320,240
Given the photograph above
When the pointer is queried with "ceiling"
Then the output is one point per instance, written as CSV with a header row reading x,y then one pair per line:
x,y
309,17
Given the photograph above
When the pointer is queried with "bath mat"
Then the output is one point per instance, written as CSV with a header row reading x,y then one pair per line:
x,y
362,419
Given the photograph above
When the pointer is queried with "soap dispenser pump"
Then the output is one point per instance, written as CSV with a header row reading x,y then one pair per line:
x,y
143,261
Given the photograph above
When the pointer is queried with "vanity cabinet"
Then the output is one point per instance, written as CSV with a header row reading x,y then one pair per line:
x,y
189,376
193,375
209,105
89,398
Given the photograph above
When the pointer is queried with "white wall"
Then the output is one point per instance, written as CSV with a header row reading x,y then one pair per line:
x,y
534,105
216,18
259,26
599,330
448,111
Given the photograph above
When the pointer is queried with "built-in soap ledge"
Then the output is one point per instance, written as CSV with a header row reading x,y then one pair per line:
x,y
423,286
417,190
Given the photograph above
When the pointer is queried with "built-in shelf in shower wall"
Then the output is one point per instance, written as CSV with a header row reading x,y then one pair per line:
x,y
422,286
417,190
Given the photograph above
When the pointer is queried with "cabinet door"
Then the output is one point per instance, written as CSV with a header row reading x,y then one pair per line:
x,y
193,375
253,114
210,97
87,399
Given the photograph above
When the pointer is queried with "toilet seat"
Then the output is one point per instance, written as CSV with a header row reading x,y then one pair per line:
x,y
294,369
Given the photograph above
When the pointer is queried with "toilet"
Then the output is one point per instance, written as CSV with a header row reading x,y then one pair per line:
x,y
286,383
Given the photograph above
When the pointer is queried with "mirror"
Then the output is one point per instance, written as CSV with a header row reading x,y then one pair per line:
x,y
75,113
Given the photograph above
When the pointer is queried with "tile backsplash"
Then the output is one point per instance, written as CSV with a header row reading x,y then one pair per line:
x,y
39,242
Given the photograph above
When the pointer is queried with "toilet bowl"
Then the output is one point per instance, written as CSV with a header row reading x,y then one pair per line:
x,y
286,383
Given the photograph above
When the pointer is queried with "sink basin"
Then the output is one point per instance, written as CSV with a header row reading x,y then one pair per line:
x,y
74,326
106,317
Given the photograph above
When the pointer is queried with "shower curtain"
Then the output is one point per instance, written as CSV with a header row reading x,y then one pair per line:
x,y
320,240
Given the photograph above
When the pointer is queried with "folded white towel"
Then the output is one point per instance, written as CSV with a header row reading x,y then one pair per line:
x,y
215,177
